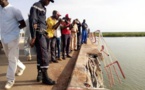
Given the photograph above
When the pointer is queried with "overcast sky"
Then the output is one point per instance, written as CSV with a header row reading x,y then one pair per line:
x,y
104,15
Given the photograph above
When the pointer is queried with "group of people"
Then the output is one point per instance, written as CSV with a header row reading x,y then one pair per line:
x,y
50,36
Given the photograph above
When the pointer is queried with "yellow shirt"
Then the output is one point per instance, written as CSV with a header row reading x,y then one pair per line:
x,y
50,23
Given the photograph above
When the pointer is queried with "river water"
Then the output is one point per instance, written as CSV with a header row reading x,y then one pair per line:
x,y
130,52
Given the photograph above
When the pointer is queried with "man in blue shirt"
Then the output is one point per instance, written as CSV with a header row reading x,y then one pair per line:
x,y
11,21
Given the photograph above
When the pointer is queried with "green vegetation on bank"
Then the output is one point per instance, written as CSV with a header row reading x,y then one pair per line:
x,y
123,34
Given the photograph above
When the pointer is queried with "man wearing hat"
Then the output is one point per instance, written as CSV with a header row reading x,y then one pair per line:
x,y
66,36
38,33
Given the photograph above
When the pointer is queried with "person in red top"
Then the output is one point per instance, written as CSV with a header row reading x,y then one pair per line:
x,y
66,36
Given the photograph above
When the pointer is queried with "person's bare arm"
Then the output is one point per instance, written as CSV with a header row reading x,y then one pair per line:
x,y
57,24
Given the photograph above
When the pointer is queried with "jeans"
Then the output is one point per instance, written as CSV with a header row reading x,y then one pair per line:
x,y
84,36
58,46
51,42
65,43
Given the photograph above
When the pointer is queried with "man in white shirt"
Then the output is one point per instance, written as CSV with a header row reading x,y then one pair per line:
x,y
11,21
57,34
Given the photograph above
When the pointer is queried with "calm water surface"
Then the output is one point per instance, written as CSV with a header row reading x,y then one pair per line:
x,y
130,52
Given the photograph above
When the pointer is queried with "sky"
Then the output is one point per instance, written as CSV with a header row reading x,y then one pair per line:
x,y
104,15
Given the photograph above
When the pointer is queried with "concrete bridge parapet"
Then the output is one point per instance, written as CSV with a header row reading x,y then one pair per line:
x,y
87,74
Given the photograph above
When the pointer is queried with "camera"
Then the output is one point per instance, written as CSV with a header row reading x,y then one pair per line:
x,y
52,1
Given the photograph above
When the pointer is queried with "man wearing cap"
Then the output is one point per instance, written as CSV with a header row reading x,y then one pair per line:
x,y
52,25
66,36
38,33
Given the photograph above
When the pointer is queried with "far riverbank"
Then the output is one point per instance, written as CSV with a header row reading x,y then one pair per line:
x,y
123,34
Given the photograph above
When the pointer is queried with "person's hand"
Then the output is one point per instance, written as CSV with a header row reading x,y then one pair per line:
x,y
35,26
60,20
32,42
47,37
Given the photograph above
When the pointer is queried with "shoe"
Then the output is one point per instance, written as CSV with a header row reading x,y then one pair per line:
x,y
70,51
46,80
69,56
78,49
63,57
50,62
29,58
75,49
55,61
9,84
39,76
20,72
59,59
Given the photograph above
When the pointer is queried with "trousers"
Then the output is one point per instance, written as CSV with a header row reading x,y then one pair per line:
x,y
51,44
11,50
73,41
41,50
84,36
65,43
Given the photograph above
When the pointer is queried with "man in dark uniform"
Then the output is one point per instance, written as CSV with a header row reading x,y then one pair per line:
x,y
38,33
